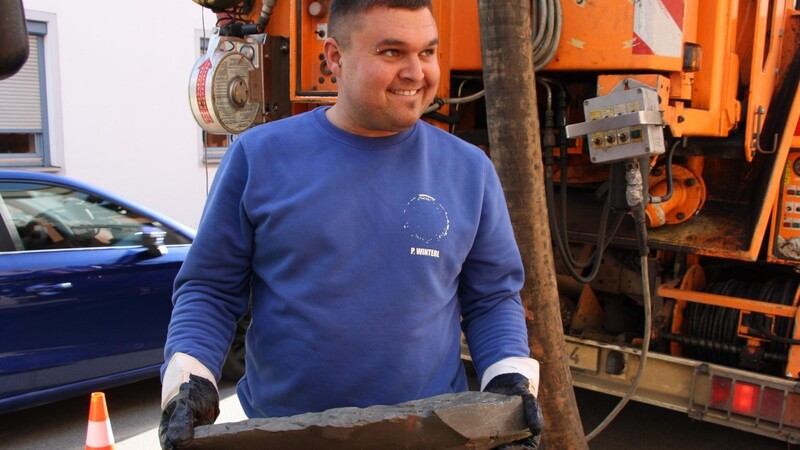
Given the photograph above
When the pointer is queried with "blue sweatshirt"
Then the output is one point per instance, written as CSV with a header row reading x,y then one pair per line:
x,y
366,257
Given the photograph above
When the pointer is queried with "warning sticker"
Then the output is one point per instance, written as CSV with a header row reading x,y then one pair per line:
x,y
658,27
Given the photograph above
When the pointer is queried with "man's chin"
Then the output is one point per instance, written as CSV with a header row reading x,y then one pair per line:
x,y
403,120
405,123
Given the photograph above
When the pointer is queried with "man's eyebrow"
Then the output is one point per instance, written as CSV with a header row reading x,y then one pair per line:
x,y
389,42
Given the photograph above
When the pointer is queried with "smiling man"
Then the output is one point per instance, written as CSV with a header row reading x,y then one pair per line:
x,y
363,239
392,68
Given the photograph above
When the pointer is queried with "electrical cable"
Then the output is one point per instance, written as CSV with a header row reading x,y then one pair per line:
x,y
202,133
458,95
545,40
548,35
439,102
642,359
540,31
233,15
635,197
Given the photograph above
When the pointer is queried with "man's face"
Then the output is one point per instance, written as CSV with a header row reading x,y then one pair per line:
x,y
389,72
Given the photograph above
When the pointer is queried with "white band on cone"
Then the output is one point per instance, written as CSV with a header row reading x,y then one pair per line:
x,y
99,434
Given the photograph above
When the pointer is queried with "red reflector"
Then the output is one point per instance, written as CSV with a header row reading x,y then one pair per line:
x,y
748,399
745,399
772,404
792,410
720,392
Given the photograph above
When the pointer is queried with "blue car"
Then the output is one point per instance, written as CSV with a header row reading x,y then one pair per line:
x,y
85,288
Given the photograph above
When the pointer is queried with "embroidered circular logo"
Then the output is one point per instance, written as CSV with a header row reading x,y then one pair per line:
x,y
426,219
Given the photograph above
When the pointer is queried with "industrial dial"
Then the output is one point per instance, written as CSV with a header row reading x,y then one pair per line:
x,y
225,88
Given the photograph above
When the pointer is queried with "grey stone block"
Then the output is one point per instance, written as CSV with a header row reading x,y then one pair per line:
x,y
473,420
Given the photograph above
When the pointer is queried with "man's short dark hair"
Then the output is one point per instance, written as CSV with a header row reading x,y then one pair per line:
x,y
342,10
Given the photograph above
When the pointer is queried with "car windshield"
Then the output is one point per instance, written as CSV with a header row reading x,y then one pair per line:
x,y
50,217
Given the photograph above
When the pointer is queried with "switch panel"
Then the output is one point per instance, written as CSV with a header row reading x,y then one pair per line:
x,y
787,225
622,125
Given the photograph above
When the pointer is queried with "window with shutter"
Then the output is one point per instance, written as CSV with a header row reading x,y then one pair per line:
x,y
23,110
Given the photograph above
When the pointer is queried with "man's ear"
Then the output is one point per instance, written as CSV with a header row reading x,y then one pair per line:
x,y
333,55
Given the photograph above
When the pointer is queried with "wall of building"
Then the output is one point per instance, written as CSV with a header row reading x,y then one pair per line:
x,y
121,117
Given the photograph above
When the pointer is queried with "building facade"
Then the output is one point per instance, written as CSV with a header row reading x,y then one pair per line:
x,y
103,98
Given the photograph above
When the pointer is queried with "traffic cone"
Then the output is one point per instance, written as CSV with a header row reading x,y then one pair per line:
x,y
98,433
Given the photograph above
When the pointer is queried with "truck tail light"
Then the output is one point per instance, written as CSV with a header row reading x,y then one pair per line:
x,y
753,400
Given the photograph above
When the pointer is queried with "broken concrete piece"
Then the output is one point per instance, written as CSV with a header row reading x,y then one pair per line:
x,y
473,420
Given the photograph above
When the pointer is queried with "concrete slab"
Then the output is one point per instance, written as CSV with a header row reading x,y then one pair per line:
x,y
467,420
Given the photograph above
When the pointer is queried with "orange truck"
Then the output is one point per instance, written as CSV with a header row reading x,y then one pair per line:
x,y
703,93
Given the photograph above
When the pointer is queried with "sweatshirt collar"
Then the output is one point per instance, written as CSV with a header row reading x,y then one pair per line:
x,y
356,140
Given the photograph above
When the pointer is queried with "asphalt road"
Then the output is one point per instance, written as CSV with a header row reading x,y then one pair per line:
x,y
134,413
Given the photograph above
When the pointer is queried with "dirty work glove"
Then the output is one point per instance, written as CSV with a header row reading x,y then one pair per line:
x,y
517,384
197,403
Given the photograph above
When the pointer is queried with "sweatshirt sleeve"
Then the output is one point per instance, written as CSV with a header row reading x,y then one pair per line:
x,y
212,288
493,319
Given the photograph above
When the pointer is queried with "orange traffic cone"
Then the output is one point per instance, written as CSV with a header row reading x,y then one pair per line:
x,y
98,433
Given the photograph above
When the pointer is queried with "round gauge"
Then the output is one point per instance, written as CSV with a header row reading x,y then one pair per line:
x,y
796,166
220,95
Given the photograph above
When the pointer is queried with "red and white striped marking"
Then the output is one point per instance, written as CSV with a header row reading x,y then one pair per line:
x,y
658,27
200,90
98,433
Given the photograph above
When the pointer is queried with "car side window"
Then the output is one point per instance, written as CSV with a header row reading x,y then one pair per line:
x,y
55,217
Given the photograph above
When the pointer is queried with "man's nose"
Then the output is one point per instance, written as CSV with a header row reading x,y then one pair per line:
x,y
412,69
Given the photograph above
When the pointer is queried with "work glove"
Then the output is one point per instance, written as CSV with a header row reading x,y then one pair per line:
x,y
517,384
197,403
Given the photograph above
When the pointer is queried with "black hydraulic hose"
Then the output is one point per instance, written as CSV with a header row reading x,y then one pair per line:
x,y
668,168
563,212
561,123
569,262
719,346
603,239
558,227
635,198
759,331
563,166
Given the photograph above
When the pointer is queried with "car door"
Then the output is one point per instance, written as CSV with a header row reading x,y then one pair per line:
x,y
80,296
